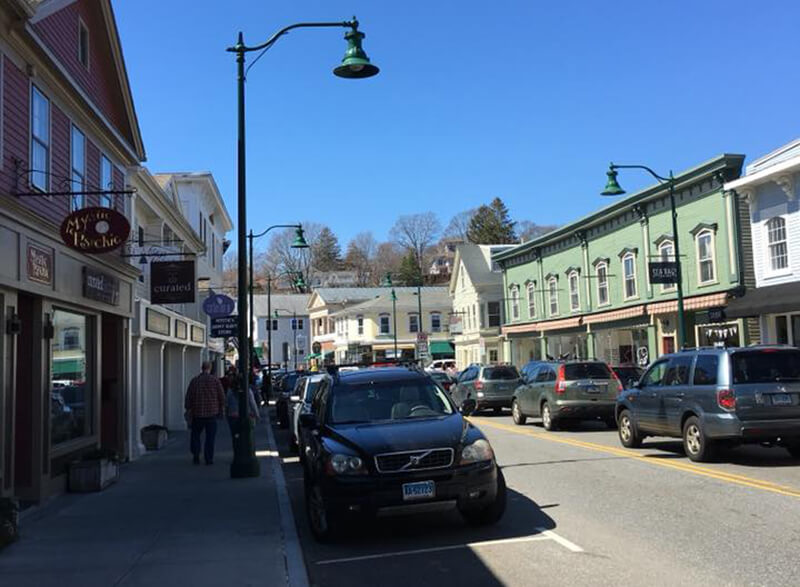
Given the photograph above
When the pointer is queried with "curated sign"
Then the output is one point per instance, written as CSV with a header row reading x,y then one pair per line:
x,y
218,305
664,272
172,282
100,286
224,326
95,230
40,264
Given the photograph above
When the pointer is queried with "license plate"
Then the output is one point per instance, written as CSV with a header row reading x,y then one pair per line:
x,y
420,490
592,389
781,399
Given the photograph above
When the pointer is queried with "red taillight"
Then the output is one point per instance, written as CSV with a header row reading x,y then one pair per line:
x,y
726,399
561,384
616,378
479,385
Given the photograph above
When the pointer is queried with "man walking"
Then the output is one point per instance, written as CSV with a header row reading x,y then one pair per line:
x,y
205,404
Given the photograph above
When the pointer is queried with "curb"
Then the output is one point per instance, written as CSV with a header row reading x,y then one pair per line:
x,y
296,574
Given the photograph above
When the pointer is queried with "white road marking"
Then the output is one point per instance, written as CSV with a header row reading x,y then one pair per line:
x,y
266,453
290,459
541,536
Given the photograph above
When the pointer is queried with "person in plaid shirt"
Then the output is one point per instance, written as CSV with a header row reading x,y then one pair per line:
x,y
205,404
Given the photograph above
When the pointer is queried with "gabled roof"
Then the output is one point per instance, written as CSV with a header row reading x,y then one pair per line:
x,y
206,177
283,303
477,262
433,298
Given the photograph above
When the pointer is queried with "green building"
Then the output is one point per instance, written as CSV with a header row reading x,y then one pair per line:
x,y
584,290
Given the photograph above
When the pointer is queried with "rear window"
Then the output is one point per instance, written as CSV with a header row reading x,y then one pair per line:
x,y
500,373
574,371
766,366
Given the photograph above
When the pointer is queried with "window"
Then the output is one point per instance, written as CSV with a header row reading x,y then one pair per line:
x,y
40,140
413,322
705,257
274,325
492,355
629,275
78,156
552,294
436,322
776,238
106,181
515,303
602,284
213,250
384,324
531,299
360,323
655,374
574,292
299,324
678,371
83,44
70,394
475,318
493,309
141,236
705,370
667,252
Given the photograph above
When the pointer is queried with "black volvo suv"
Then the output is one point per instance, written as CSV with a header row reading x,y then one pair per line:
x,y
388,441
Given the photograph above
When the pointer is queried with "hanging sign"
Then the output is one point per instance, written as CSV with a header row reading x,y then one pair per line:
x,y
224,326
172,282
95,230
664,272
218,305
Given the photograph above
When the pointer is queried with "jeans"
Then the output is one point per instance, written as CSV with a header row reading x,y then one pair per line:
x,y
210,427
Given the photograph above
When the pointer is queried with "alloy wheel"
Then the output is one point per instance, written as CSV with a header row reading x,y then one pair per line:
x,y
625,430
693,441
546,419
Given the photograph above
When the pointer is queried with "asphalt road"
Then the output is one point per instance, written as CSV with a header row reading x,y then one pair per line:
x,y
584,511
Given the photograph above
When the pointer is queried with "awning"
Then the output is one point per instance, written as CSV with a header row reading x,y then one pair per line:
x,y
69,366
693,303
314,356
441,347
772,299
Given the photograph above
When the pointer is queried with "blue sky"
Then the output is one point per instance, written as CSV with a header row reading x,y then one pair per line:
x,y
524,100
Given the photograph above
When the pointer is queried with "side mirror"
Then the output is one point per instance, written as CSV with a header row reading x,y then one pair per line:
x,y
468,406
295,398
308,421
636,384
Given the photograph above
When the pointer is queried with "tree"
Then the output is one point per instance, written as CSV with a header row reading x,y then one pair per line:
x,y
415,233
280,258
530,230
326,252
230,272
491,225
408,272
360,256
459,225
388,258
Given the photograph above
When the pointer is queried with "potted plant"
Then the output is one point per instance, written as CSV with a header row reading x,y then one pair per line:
x,y
9,521
154,437
95,471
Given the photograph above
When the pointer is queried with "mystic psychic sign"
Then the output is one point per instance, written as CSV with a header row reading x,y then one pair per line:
x,y
95,230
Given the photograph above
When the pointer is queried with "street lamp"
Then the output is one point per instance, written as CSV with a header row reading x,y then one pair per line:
x,y
387,282
613,189
354,65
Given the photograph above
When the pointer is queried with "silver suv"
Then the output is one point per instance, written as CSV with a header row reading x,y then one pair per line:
x,y
491,386
712,397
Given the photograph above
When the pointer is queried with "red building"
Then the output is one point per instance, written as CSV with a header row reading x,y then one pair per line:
x,y
67,127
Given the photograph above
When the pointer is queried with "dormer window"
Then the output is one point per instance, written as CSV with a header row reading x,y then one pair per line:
x,y
83,44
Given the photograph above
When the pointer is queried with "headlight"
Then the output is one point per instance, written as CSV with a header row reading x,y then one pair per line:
x,y
340,464
479,394
480,450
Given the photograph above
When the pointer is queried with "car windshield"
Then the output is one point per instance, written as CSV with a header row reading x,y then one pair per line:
x,y
766,366
575,371
311,389
500,373
379,401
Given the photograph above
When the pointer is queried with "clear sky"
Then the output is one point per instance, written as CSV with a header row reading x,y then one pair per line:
x,y
526,100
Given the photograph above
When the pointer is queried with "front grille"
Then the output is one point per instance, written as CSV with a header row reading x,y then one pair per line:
x,y
414,460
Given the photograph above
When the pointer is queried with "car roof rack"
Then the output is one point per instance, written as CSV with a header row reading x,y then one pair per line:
x,y
408,363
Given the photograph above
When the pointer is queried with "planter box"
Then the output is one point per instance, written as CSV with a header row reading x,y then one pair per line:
x,y
94,475
9,521
154,438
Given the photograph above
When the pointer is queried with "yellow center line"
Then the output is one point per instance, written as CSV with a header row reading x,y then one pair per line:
x,y
689,468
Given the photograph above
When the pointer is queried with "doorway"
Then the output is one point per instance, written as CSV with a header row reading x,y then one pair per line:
x,y
112,377
24,409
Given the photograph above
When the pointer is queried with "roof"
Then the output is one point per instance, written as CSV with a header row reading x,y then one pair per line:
x,y
477,261
207,177
775,166
297,303
379,373
407,301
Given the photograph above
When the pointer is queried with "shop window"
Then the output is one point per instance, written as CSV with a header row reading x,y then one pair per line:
x,y
493,308
602,284
531,299
78,150
413,322
70,388
776,242
515,303
574,292
781,330
436,322
722,335
629,275
384,324
705,257
552,292
667,253
40,140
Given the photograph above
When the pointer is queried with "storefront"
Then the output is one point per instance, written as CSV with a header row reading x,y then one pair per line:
x,y
774,311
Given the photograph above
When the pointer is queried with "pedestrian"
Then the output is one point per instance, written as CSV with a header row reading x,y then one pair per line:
x,y
204,404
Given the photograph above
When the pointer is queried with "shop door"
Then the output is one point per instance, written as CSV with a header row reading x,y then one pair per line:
x,y
24,406
112,377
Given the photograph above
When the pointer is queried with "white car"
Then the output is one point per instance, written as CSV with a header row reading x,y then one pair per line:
x,y
300,403
447,365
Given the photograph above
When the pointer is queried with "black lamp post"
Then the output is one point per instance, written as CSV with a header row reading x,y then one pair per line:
x,y
613,189
354,65
387,282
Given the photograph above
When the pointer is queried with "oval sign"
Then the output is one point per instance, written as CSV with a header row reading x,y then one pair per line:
x,y
95,230
218,305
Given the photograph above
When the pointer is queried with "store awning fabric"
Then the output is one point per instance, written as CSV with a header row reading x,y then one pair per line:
x,y
774,299
441,347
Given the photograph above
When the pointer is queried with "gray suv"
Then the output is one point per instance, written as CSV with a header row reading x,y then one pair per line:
x,y
710,397
566,390
490,386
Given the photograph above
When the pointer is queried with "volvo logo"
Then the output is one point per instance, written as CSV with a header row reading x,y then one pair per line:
x,y
415,460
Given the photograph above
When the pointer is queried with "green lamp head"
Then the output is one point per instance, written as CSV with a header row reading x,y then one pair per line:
x,y
387,280
300,283
355,64
299,241
394,296
275,314
612,187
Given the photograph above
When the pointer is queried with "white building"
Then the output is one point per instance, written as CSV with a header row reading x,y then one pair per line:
x,y
769,193
476,288
290,329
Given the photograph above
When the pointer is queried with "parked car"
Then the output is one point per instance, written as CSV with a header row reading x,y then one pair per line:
x,y
566,390
713,397
628,374
442,365
305,389
490,386
443,379
285,387
389,441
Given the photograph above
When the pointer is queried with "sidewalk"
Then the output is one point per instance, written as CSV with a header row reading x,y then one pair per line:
x,y
165,522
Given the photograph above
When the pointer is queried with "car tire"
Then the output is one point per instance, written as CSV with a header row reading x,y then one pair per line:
x,y
516,414
697,447
548,422
492,513
629,436
321,520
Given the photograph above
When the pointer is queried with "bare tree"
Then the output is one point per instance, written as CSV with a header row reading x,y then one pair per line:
x,y
388,259
530,230
459,224
415,233
280,258
230,271
360,255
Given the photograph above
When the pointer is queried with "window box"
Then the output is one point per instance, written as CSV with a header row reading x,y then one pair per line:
x,y
9,521
154,437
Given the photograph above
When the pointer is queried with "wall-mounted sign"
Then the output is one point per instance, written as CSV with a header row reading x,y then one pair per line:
x,y
95,230
716,315
157,322
39,261
100,286
218,305
664,272
198,334
224,326
172,282
456,326
180,329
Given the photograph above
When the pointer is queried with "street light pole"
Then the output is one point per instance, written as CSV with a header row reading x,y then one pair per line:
x,y
354,65
394,321
613,189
